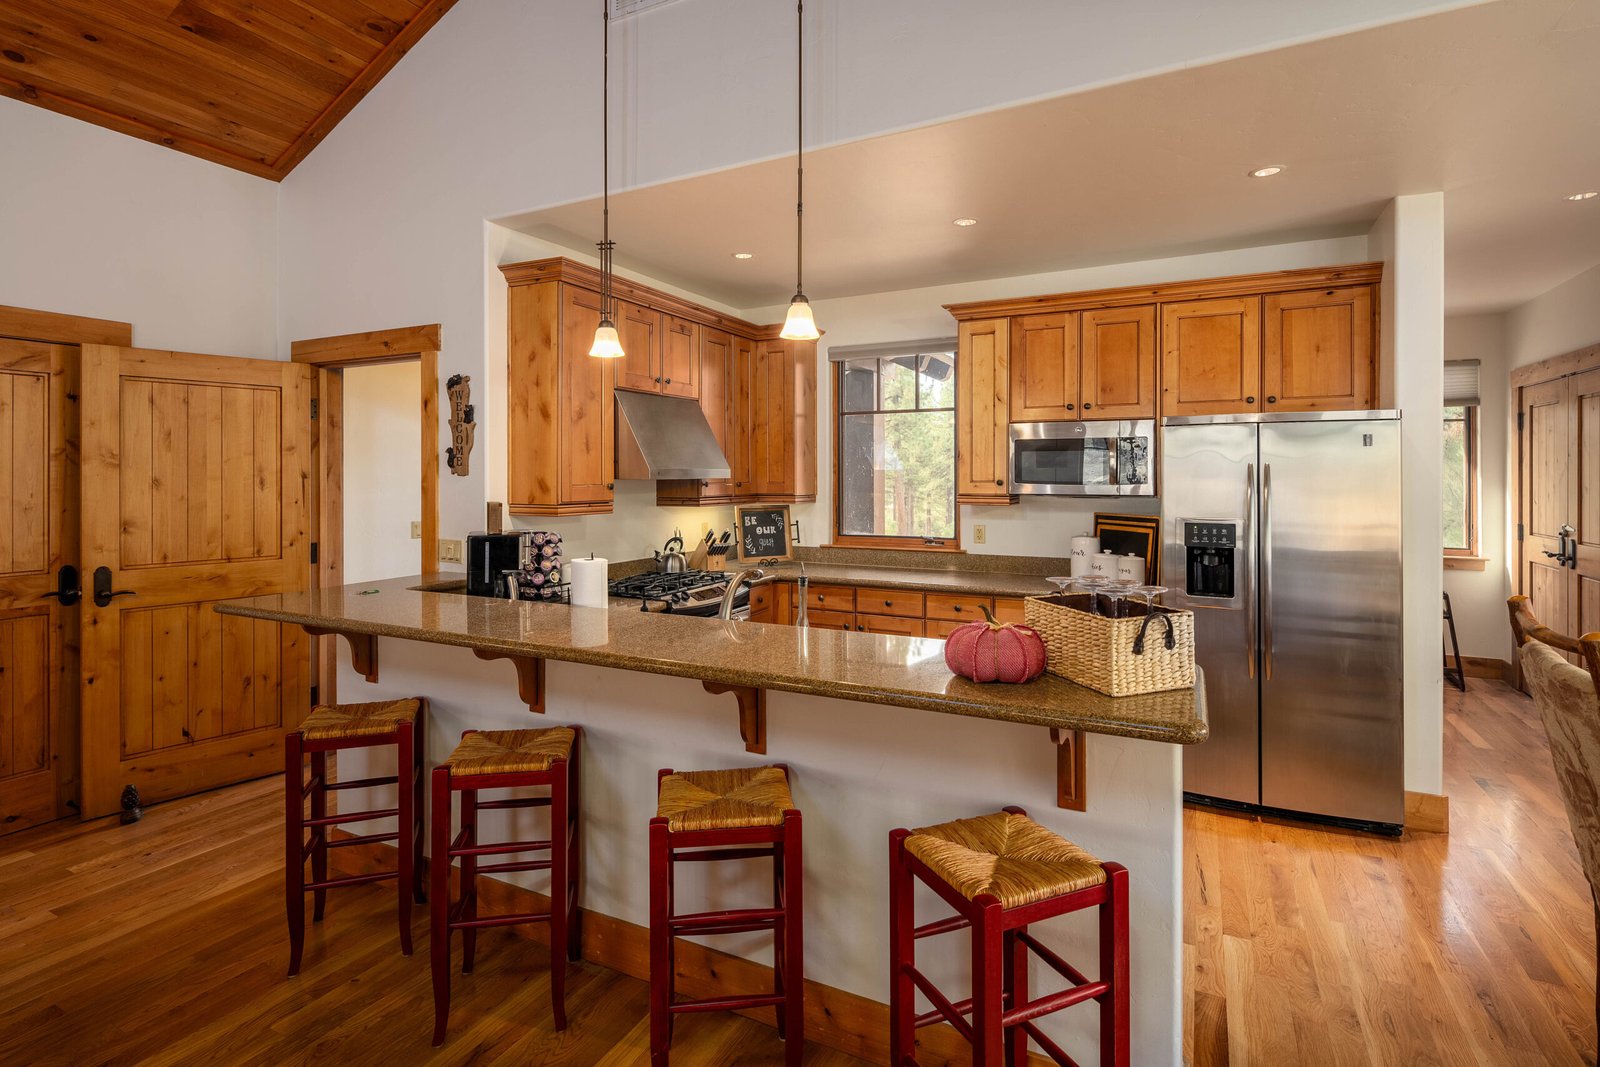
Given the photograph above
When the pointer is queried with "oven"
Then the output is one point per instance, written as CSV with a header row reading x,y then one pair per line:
x,y
1083,458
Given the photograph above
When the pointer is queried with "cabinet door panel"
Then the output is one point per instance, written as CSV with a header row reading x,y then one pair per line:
x,y
983,383
738,436
892,625
1211,356
1044,367
587,411
831,620
1118,379
1317,354
680,358
772,428
717,388
640,365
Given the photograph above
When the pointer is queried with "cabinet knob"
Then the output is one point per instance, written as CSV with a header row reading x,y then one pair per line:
x,y
1272,400
658,381
955,607
1069,407
999,481
1086,407
860,627
888,603
1249,400
610,485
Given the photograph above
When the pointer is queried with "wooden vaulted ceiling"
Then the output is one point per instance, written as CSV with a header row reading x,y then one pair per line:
x,y
251,84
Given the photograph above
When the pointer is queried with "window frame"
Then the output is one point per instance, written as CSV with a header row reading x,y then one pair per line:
x,y
1470,427
844,540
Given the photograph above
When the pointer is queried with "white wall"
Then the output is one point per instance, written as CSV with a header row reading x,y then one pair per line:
x,y
99,224
1478,598
1409,238
382,455
1563,319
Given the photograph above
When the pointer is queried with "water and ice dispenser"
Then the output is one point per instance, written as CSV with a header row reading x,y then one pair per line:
x,y
1210,548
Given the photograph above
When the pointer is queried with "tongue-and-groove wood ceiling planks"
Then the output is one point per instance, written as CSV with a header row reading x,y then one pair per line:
x,y
251,84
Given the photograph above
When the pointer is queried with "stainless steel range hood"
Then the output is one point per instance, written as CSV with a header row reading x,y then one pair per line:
x,y
665,437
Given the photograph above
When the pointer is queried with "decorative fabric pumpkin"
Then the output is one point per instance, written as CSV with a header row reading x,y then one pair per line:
x,y
994,652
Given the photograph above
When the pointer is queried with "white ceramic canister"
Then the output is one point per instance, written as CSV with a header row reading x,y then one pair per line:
x,y
1104,563
1131,567
1084,549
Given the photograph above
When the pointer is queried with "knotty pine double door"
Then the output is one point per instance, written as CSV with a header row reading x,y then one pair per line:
x,y
1559,506
137,488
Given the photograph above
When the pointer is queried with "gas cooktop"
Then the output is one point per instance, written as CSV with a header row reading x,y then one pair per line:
x,y
678,593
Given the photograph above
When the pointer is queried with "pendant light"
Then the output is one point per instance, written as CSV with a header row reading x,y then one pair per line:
x,y
607,345
799,324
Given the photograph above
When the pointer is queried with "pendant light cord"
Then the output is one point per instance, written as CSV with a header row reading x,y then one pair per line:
x,y
799,148
605,156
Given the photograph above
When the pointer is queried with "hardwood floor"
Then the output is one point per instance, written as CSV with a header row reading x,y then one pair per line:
x,y
164,943
1307,946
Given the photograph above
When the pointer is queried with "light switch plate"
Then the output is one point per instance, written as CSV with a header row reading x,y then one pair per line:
x,y
416,530
979,534
451,551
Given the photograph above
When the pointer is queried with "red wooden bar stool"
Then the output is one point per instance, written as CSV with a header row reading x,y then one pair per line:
x,y
1000,873
752,811
505,759
331,728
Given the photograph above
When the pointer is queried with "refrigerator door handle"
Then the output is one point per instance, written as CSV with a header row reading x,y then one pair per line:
x,y
1250,562
1266,571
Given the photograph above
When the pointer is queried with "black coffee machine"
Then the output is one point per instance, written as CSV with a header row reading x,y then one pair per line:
x,y
489,556
1210,548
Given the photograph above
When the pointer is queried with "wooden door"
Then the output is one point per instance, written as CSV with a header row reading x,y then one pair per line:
x,y
1118,378
37,634
983,379
195,475
1044,367
1317,352
1211,356
680,358
1584,572
1548,500
640,331
586,407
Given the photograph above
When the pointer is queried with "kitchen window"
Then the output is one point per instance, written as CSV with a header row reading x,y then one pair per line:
x,y
895,446
1460,468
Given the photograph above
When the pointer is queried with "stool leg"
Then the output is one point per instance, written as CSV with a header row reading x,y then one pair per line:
x,y
902,953
294,861
1016,967
558,892
778,939
1115,1034
988,984
794,1003
405,881
419,830
469,879
439,901
660,943
319,835
574,862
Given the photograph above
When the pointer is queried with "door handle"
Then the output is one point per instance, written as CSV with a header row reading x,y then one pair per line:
x,y
102,588
1249,607
1266,570
68,589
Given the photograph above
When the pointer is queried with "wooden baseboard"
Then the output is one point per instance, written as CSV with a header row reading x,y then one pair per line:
x,y
835,1018
1486,667
1427,812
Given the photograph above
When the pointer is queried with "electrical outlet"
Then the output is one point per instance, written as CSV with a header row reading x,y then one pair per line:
x,y
979,534
451,551
705,528
416,530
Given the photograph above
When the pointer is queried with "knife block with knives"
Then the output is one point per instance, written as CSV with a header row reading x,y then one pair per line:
x,y
717,551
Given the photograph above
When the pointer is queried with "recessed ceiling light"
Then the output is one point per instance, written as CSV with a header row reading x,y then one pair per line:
x,y
1267,171
1587,195
744,255
964,221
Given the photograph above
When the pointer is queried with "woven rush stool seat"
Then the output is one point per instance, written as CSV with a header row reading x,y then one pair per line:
x,y
1006,855
724,800
510,751
714,816
330,721
1000,873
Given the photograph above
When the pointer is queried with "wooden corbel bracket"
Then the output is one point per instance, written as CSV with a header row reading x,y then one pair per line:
x,y
752,713
363,650
530,676
1072,777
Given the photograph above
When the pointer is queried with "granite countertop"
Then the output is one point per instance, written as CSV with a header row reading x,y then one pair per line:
x,y
901,671
921,579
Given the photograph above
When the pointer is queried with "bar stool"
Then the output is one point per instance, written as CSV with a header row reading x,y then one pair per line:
x,y
505,759
752,811
1000,873
333,728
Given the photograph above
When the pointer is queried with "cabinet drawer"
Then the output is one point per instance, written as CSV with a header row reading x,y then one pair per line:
x,y
830,620
1008,609
889,602
831,598
762,601
941,628
889,624
960,608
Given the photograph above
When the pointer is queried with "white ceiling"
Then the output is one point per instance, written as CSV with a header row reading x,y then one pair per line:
x,y
1497,105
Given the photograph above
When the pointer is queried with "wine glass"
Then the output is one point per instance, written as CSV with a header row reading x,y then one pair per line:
x,y
1061,582
1149,592
1090,584
1115,590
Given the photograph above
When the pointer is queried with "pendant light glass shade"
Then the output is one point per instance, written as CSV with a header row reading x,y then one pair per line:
x,y
607,345
799,324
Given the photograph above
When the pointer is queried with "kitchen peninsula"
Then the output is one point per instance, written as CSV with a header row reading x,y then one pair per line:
x,y
875,729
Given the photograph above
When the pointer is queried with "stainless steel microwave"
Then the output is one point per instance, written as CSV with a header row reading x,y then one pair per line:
x,y
1083,458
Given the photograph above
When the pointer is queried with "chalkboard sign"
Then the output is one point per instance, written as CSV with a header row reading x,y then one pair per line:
x,y
763,533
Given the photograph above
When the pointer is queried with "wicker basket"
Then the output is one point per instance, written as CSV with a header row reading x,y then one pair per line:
x,y
1098,652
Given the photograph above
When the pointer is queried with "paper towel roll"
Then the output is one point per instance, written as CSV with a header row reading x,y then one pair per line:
x,y
1084,549
589,578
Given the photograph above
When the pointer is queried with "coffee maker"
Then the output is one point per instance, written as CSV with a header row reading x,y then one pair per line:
x,y
489,556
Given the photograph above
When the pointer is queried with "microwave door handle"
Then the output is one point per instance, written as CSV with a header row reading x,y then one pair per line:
x,y
1249,550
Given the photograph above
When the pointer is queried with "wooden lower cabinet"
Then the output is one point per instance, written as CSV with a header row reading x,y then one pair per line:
x,y
874,610
892,625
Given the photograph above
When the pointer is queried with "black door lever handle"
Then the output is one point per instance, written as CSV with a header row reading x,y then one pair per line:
x,y
68,589
102,588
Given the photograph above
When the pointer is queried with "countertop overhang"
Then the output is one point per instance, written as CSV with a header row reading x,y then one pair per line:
x,y
902,671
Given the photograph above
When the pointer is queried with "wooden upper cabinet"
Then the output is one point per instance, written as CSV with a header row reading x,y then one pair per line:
x,y
737,437
680,358
1317,351
1044,367
585,408
718,393
1117,375
1211,356
640,331
783,423
983,381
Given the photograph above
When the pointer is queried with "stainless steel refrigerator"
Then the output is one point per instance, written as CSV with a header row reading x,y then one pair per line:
x,y
1282,533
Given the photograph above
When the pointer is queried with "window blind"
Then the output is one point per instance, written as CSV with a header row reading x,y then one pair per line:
x,y
891,350
1460,383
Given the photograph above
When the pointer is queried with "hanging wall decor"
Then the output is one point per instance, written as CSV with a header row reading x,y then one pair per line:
x,y
459,388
